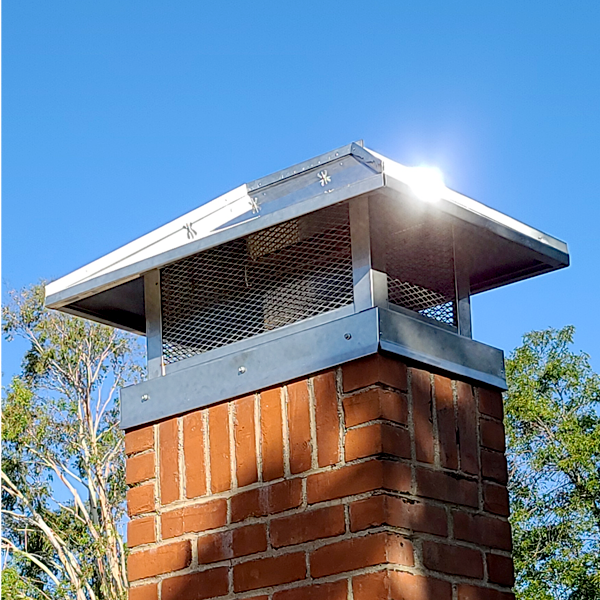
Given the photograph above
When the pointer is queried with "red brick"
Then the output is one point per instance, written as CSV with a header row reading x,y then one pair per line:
x,y
359,552
169,461
143,592
378,438
490,403
245,441
249,539
266,500
214,547
495,499
455,560
396,585
138,440
467,428
338,590
307,526
141,531
193,453
500,569
493,466
201,517
374,369
374,404
355,479
446,487
482,530
232,544
218,435
265,572
471,592
371,512
327,419
196,586
272,434
422,415
159,560
140,468
447,429
140,499
398,512
299,426
492,435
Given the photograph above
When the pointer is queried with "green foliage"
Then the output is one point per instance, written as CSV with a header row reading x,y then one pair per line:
x,y
63,482
13,586
553,434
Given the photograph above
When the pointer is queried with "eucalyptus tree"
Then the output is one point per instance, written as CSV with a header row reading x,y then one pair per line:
x,y
63,484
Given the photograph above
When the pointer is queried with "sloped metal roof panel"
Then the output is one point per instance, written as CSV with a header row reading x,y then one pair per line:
x,y
110,289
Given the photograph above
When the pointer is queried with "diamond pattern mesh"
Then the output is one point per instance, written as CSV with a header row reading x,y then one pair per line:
x,y
419,262
283,274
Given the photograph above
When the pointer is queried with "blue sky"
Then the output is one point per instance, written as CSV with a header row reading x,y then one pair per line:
x,y
119,116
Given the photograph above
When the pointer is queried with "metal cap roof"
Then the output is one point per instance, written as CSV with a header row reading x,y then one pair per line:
x,y
110,290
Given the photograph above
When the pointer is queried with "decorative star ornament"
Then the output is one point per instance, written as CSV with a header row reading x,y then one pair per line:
x,y
191,232
324,178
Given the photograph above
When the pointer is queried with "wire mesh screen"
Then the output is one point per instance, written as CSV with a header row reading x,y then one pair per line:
x,y
281,275
419,261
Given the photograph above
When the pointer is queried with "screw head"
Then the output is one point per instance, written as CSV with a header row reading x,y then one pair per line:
x,y
145,397
347,336
241,370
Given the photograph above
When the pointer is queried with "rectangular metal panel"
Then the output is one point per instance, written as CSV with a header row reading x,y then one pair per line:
x,y
317,162
254,223
253,369
437,347
483,216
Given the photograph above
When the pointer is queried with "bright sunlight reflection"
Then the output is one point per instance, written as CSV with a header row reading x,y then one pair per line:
x,y
426,182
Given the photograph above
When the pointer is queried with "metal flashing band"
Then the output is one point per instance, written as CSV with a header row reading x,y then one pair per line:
x,y
306,351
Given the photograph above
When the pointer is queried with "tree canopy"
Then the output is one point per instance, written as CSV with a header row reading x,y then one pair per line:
x,y
63,483
553,451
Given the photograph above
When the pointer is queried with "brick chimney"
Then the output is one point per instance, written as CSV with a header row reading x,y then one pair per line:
x,y
371,480
317,421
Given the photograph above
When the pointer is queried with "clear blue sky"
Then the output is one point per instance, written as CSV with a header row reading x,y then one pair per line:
x,y
121,115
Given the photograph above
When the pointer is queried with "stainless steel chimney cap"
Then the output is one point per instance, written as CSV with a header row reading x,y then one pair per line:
x,y
110,290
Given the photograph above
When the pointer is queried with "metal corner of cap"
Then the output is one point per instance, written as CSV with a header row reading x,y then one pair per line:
x,y
370,160
431,345
51,300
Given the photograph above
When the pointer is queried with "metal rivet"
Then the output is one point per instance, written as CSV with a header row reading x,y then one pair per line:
x,y
348,336
145,397
241,370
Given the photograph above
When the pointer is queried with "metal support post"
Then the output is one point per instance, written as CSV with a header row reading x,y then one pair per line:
x,y
462,286
155,366
370,284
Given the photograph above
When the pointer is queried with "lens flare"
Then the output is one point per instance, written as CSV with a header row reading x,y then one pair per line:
x,y
427,183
